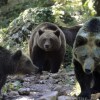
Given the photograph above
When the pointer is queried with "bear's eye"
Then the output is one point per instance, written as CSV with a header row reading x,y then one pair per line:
x,y
97,42
80,41
84,57
51,39
96,59
28,62
44,39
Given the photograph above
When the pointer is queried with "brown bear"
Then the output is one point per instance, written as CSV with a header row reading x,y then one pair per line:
x,y
70,33
86,58
14,63
47,47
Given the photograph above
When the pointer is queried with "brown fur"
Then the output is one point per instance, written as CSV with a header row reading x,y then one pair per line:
x,y
70,33
86,57
51,59
14,63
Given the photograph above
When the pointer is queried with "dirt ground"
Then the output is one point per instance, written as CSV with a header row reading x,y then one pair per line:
x,y
33,87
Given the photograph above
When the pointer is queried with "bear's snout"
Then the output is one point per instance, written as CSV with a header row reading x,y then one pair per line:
x,y
87,71
46,46
88,65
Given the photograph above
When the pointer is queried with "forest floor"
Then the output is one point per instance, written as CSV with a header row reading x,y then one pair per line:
x,y
48,86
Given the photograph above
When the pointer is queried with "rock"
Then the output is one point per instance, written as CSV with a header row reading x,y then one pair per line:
x,y
11,94
42,81
66,98
26,84
50,96
62,90
95,96
71,73
51,80
58,88
55,76
42,87
14,93
24,98
27,79
24,91
44,77
45,72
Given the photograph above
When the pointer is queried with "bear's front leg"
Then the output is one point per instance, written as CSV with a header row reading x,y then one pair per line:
x,y
84,81
55,64
96,86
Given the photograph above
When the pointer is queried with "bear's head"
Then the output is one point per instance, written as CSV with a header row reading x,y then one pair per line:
x,y
49,40
86,49
22,64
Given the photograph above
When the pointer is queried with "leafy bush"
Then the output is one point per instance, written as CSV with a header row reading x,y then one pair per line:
x,y
43,14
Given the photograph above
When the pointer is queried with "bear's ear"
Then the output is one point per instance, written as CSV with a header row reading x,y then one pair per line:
x,y
41,32
57,33
17,55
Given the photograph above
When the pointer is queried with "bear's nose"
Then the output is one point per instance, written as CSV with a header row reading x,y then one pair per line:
x,y
46,46
88,71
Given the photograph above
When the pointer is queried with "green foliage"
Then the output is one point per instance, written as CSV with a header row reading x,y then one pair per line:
x,y
43,14
43,3
88,6
33,16
11,86
62,12
62,17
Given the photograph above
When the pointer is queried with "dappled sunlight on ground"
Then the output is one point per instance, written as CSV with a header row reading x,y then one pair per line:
x,y
76,89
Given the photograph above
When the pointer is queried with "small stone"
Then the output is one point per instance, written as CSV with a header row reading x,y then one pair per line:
x,y
50,96
44,77
27,80
24,91
95,96
66,98
42,81
24,98
45,72
60,83
55,76
58,88
26,84
13,93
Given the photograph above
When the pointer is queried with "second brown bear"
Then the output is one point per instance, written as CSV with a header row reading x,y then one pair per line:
x,y
47,47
